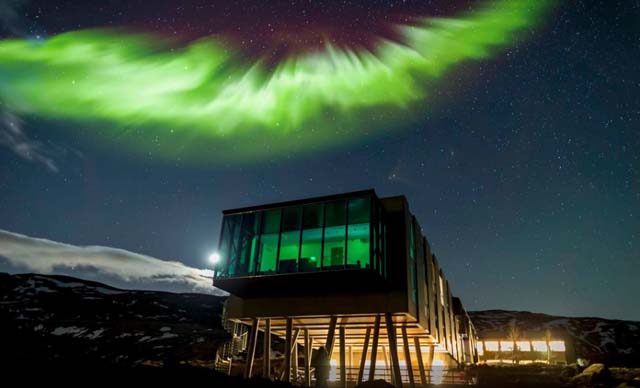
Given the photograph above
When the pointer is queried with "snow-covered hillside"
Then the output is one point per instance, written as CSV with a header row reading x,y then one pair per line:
x,y
594,338
59,317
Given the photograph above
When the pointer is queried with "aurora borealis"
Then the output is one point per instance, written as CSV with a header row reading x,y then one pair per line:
x,y
516,145
206,93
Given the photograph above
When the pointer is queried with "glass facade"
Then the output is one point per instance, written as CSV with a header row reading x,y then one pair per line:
x,y
320,236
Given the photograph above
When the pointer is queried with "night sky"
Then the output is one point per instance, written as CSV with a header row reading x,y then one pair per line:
x,y
523,169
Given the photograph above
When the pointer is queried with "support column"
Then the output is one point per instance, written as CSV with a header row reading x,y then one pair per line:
x,y
374,348
423,375
407,357
363,359
266,367
393,349
331,335
343,358
307,358
432,351
385,359
287,351
294,362
251,348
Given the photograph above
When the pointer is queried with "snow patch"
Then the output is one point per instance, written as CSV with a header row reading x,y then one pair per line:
x,y
74,330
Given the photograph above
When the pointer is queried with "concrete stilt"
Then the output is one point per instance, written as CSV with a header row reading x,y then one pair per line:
x,y
266,353
423,374
393,350
343,358
407,357
287,351
363,359
374,348
307,358
251,348
331,335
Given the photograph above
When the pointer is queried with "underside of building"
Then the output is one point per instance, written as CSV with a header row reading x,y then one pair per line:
x,y
351,275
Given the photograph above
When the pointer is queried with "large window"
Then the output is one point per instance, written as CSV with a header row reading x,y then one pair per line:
x,y
334,235
248,244
358,233
311,250
556,346
269,242
290,240
491,346
539,346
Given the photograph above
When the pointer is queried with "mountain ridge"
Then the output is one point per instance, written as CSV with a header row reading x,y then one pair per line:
x,y
60,317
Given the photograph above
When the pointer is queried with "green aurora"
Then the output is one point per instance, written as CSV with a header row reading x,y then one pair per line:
x,y
203,101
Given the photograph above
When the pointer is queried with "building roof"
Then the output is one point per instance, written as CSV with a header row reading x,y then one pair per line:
x,y
277,205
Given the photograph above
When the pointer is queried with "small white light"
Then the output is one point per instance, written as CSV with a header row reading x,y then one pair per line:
x,y
214,258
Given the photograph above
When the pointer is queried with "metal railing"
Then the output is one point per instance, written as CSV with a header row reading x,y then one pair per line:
x,y
432,376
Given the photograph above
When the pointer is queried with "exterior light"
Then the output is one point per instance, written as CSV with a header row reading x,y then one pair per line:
x,y
214,258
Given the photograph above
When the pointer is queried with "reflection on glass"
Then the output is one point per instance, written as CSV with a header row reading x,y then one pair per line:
x,y
247,244
289,240
334,235
269,242
311,238
358,232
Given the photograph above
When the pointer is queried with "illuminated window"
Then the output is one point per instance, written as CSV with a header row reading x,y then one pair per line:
x,y
491,346
524,346
358,244
441,291
247,244
289,240
480,349
334,235
269,242
312,219
539,346
506,346
556,346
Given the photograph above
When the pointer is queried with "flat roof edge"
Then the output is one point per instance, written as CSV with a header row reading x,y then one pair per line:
x,y
295,202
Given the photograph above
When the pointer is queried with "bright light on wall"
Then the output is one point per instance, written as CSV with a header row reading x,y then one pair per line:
x,y
556,346
214,258
524,346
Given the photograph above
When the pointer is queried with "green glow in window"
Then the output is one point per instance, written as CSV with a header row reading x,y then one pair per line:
x,y
269,242
334,235
358,232
311,238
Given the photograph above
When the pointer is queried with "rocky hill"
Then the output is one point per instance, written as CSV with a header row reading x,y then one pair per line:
x,y
54,318
61,319
594,339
